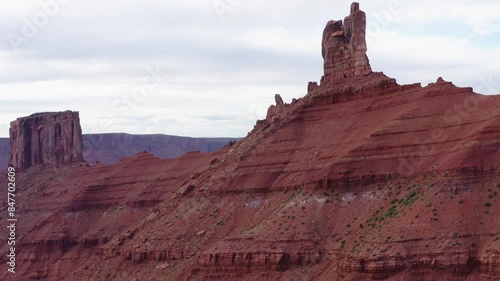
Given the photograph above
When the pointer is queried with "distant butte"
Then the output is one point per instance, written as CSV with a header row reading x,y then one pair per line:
x,y
52,138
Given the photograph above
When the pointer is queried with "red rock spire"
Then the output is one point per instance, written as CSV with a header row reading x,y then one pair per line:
x,y
53,138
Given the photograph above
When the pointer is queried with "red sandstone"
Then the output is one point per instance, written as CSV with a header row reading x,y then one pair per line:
x,y
361,179
46,138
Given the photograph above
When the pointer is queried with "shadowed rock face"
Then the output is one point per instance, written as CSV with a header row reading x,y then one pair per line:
x,y
344,47
46,138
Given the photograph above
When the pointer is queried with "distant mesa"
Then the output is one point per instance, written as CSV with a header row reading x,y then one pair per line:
x,y
361,179
51,138
105,148
274,110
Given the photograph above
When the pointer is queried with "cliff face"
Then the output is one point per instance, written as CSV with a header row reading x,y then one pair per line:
x,y
46,138
361,179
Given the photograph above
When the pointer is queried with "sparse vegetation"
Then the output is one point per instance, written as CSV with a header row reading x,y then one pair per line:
x,y
391,213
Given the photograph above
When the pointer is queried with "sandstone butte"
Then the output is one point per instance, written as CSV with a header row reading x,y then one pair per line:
x,y
360,179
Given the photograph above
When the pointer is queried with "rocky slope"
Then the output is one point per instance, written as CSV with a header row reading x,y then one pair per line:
x,y
361,179
344,47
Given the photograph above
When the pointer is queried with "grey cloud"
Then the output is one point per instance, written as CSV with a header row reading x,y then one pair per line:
x,y
216,117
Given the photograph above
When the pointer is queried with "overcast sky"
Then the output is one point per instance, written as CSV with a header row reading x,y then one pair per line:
x,y
211,68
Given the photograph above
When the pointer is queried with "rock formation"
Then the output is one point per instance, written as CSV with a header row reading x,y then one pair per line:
x,y
110,148
52,138
312,86
344,47
363,179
